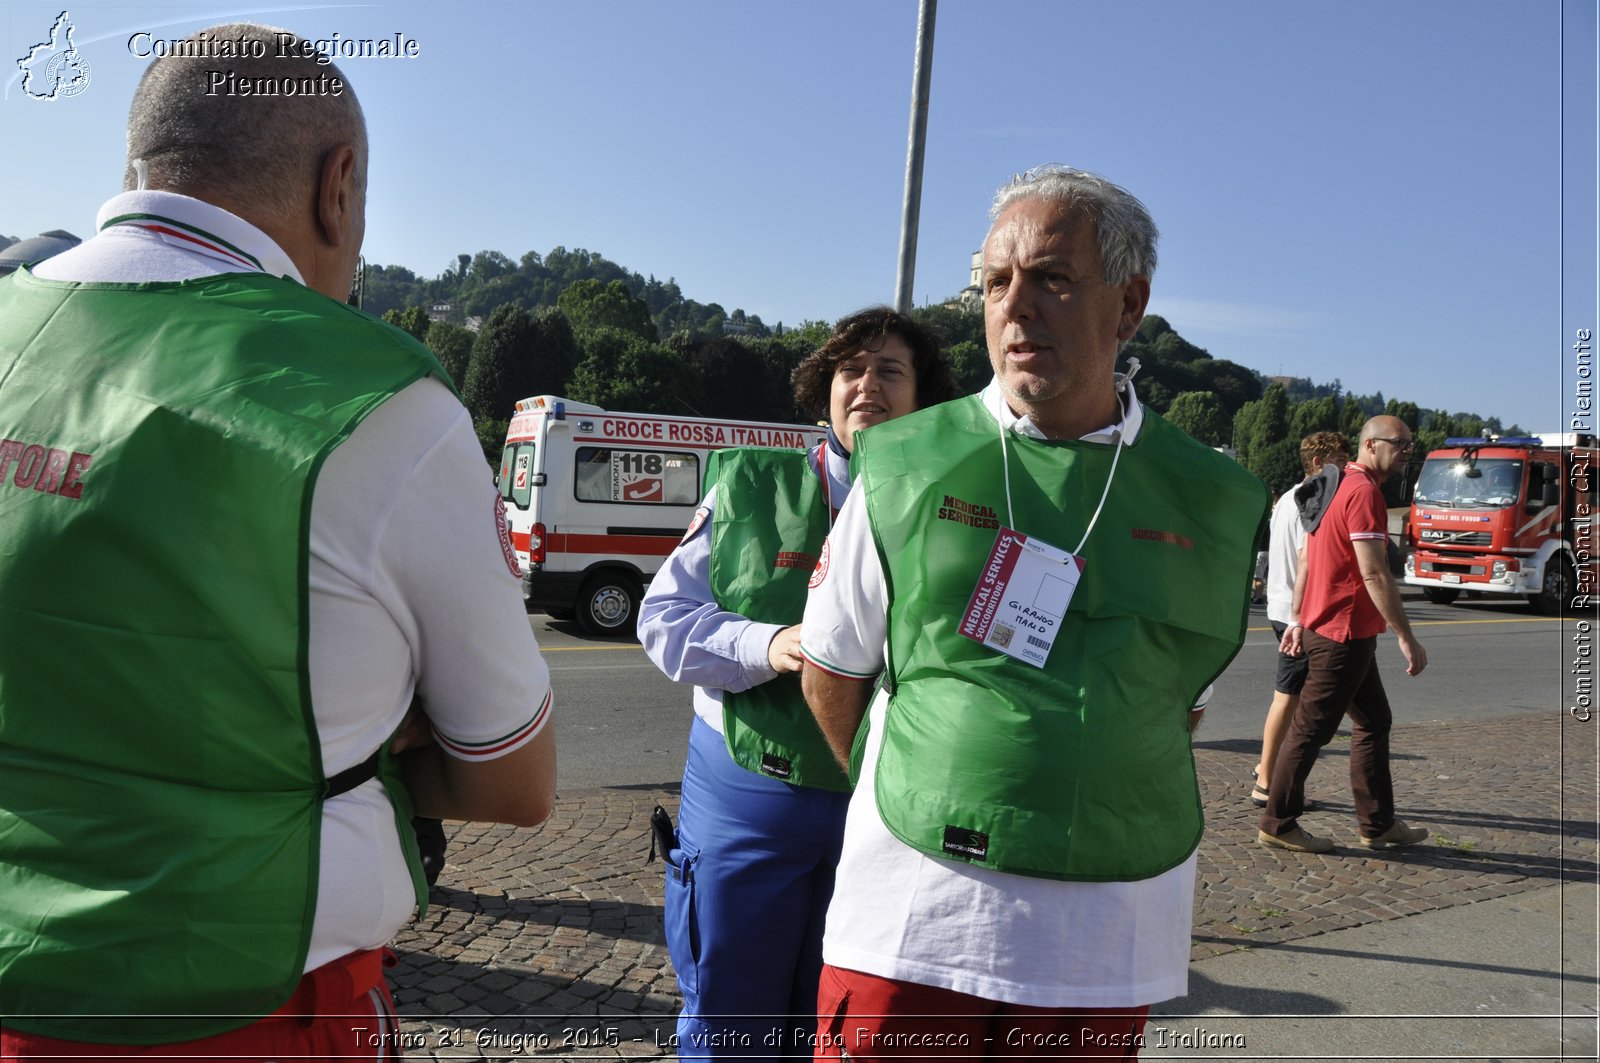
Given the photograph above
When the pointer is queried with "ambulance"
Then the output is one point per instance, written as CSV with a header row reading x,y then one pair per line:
x,y
596,500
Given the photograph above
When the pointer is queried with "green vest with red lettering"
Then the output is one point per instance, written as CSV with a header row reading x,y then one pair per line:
x,y
1081,769
161,780
767,529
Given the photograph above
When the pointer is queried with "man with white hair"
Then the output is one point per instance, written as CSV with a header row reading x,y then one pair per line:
x,y
255,600
1048,593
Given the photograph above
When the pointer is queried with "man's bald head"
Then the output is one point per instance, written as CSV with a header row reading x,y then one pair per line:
x,y
1384,427
1385,444
253,154
265,137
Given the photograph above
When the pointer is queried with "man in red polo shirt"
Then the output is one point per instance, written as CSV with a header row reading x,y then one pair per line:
x,y
1346,598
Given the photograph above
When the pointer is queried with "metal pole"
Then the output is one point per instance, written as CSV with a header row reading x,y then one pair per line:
x,y
914,148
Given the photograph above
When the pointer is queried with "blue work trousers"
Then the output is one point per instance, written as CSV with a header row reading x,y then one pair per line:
x,y
747,889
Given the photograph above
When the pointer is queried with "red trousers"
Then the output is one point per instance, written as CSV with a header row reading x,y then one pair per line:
x,y
341,1010
867,1019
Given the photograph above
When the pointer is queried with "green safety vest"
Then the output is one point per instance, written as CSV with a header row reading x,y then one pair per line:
x,y
1082,769
768,526
161,780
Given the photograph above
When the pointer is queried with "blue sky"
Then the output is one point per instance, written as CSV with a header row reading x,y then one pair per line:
x,y
1399,195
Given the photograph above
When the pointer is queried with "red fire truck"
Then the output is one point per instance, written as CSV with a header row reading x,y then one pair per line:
x,y
1509,515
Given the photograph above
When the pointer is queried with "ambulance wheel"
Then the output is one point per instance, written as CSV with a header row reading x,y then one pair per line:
x,y
1553,593
1441,595
608,604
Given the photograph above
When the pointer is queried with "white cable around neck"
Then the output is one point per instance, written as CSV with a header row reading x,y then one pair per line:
x,y
1005,462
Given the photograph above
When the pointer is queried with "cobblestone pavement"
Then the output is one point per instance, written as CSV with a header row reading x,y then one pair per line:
x,y
548,942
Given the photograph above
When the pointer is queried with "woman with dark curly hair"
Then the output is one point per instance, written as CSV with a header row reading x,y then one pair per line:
x,y
763,800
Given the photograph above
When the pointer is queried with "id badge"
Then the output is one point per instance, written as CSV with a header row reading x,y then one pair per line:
x,y
1021,597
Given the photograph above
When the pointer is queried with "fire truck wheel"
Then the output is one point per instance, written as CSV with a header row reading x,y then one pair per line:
x,y
1441,595
608,604
1553,592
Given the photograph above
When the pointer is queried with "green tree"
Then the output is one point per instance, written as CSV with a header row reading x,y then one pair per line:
x,y
486,266
711,321
955,323
1406,411
1351,418
622,371
1160,382
517,288
1259,424
413,319
1171,347
556,353
502,368
491,433
812,334
1200,413
1314,415
1155,394
1454,425
1151,329
734,381
780,356
1278,465
452,345
590,305
970,367
1233,384
1172,366
387,288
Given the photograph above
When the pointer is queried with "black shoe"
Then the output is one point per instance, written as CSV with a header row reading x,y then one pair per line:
x,y
430,843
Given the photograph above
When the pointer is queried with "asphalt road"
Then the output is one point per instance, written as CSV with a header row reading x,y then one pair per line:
x,y
620,722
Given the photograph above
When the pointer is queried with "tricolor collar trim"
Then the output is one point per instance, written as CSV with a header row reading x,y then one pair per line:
x,y
165,226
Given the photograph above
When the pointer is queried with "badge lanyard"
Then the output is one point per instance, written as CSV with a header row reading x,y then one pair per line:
x,y
1005,464
1026,584
820,455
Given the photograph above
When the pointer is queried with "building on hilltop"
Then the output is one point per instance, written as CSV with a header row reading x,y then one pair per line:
x,y
972,295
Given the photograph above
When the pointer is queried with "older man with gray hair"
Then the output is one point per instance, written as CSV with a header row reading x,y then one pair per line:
x,y
255,596
1048,595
